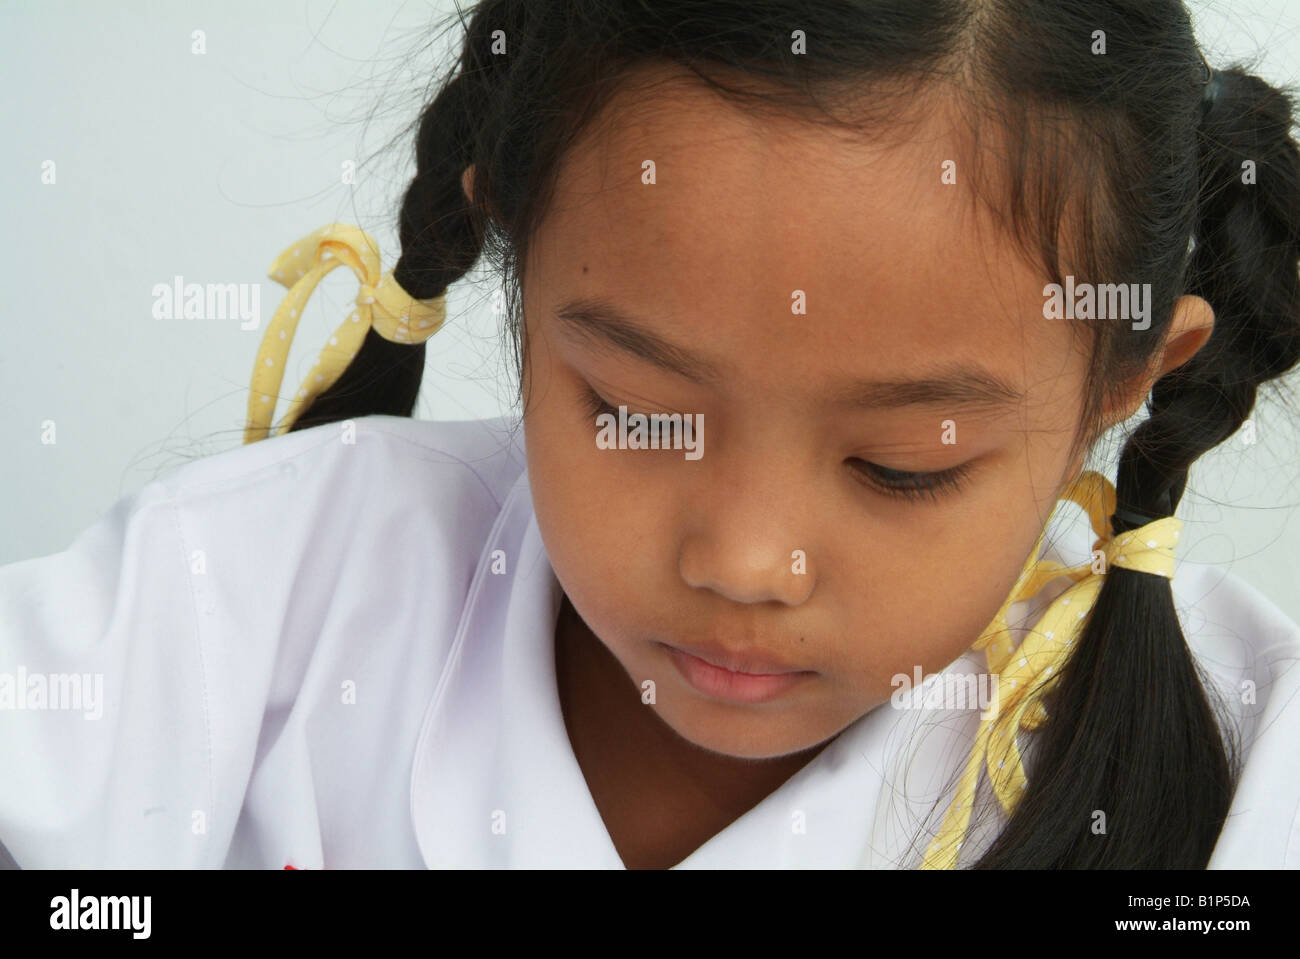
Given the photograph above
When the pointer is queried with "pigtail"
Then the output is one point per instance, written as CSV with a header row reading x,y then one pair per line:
x,y
1134,735
441,236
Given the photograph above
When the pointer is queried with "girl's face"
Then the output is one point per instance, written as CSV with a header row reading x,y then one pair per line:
x,y
836,316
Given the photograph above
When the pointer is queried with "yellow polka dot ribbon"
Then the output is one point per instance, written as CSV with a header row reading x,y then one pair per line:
x,y
381,304
1024,674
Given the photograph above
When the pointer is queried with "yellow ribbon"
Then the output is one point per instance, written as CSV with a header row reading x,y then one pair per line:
x,y
381,304
1025,673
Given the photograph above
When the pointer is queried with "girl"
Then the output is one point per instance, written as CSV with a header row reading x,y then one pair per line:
x,y
895,269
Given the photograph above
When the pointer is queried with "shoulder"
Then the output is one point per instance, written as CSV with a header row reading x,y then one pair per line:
x,y
237,590
1248,651
1235,632
486,455
1217,590
401,505
370,490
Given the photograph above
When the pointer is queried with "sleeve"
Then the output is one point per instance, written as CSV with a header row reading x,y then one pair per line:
x,y
105,748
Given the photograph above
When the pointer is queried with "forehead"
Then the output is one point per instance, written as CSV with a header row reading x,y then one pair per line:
x,y
711,223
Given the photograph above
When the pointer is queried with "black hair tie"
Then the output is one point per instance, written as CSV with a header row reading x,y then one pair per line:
x,y
1123,520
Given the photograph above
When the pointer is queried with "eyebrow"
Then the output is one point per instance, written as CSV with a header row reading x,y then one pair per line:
x,y
604,325
952,387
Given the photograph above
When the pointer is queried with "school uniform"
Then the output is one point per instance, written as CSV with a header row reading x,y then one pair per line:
x,y
326,653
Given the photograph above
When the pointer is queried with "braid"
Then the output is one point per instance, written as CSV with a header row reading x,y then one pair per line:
x,y
1244,265
441,236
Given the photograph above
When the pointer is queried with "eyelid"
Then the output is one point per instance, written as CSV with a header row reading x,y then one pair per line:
x,y
594,398
932,484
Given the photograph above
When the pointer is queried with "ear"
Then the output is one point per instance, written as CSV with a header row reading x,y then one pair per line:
x,y
467,187
1190,327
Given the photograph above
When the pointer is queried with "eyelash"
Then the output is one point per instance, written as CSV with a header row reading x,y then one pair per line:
x,y
595,403
905,484
912,486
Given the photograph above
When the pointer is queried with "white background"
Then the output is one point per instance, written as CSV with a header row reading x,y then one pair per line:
x,y
207,166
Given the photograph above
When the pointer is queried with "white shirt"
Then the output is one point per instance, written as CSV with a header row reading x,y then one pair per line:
x,y
307,659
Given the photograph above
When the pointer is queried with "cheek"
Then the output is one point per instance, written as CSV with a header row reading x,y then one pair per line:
x,y
950,610
921,616
925,597
601,516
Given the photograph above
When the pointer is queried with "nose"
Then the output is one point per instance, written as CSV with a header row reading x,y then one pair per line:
x,y
748,533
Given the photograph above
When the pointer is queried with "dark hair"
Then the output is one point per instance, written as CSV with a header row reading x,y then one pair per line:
x,y
1107,160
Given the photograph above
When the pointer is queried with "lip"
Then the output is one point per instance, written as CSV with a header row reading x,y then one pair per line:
x,y
714,674
746,664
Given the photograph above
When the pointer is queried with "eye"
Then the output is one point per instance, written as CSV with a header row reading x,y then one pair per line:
x,y
910,485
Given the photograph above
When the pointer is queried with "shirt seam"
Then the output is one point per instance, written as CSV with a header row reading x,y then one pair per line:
x,y
453,657
1291,857
203,665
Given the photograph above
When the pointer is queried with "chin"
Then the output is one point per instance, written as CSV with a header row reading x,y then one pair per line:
x,y
755,736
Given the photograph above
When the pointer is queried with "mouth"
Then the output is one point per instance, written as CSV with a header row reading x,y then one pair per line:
x,y
748,679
